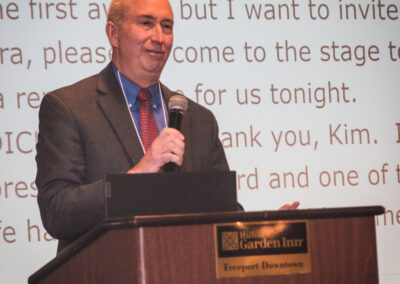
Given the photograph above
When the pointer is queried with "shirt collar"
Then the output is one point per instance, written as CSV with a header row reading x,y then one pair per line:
x,y
132,90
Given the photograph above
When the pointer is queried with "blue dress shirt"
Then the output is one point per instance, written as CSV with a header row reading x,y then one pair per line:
x,y
157,106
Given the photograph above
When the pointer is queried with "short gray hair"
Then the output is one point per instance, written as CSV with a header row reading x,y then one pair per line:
x,y
117,11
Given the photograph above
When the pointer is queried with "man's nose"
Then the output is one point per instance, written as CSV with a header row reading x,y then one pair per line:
x,y
157,34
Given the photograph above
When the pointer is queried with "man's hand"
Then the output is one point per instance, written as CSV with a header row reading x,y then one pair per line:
x,y
292,206
169,146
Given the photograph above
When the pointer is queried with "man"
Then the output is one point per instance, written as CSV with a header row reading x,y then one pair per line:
x,y
94,127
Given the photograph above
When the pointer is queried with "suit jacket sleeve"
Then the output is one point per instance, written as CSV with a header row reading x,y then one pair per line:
x,y
69,205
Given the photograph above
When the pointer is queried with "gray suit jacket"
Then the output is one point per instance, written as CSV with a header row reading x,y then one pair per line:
x,y
85,132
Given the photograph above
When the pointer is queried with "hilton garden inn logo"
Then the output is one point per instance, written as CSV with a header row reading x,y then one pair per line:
x,y
261,238
230,240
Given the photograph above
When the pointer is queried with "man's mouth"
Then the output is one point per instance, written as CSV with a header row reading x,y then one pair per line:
x,y
155,52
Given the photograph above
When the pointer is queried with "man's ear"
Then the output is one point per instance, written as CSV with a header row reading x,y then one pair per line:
x,y
112,32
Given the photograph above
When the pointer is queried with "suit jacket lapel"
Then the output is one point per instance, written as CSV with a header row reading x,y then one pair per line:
x,y
111,100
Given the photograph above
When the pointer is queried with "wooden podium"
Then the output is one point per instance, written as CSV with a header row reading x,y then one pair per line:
x,y
181,249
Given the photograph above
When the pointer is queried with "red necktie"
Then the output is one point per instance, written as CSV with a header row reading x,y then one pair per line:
x,y
148,125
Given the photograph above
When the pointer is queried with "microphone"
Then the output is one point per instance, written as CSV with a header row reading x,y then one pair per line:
x,y
177,106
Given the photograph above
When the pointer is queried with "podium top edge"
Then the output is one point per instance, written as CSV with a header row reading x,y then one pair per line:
x,y
219,217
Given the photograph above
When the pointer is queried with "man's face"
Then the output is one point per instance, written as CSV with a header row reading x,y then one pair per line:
x,y
145,38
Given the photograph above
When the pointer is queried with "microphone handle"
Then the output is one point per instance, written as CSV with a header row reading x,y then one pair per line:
x,y
170,167
175,121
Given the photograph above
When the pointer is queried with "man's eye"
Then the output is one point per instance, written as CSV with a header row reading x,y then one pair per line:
x,y
167,28
146,23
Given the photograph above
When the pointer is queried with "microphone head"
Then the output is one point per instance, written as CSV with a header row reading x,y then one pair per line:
x,y
178,102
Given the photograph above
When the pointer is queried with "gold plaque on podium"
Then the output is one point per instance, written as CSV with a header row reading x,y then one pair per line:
x,y
262,248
